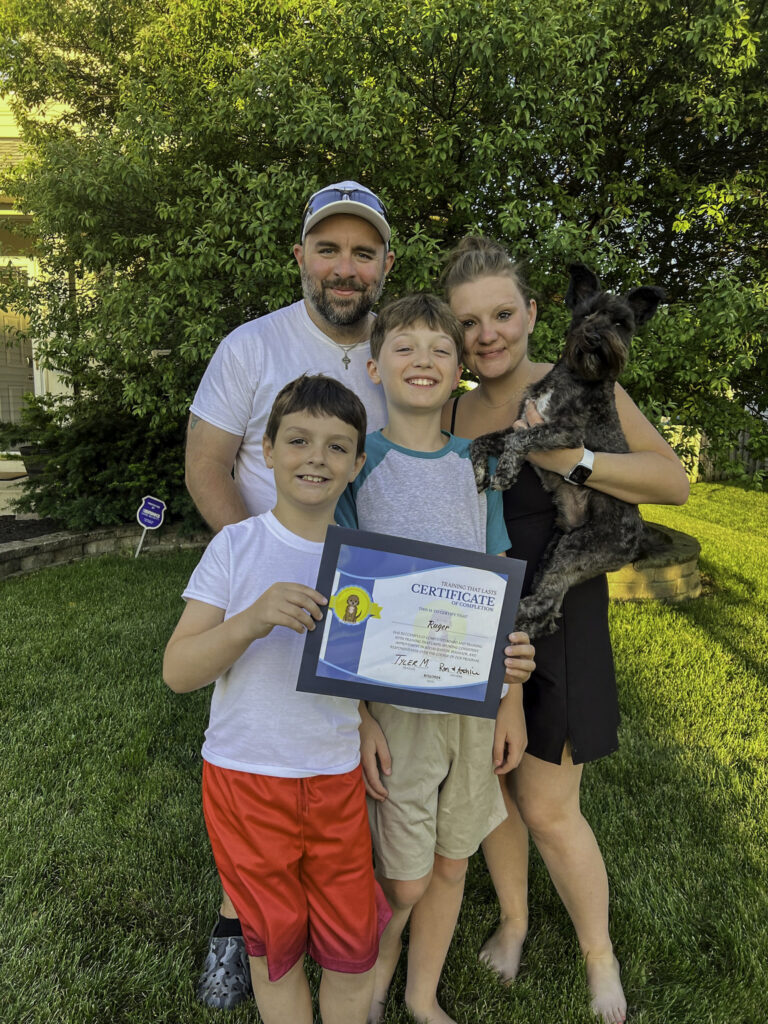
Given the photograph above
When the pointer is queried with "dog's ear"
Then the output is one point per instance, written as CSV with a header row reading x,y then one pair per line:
x,y
583,285
645,301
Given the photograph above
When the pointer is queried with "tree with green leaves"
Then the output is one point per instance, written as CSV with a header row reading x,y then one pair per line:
x,y
166,187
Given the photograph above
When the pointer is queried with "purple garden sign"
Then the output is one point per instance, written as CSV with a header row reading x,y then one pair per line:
x,y
150,515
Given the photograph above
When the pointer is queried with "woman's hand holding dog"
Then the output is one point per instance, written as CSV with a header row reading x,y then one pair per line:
x,y
558,460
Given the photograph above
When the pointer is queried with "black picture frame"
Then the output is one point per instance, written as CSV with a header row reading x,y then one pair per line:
x,y
316,676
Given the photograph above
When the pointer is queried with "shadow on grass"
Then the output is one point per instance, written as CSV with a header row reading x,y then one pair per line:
x,y
726,614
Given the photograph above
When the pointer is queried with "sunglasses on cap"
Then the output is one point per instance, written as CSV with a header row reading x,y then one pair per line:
x,y
326,196
353,200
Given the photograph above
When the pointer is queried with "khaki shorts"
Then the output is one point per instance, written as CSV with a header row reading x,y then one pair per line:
x,y
443,795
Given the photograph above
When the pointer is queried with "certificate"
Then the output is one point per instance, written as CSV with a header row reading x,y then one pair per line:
x,y
421,625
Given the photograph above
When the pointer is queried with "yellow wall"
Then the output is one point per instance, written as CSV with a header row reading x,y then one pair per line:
x,y
8,126
19,370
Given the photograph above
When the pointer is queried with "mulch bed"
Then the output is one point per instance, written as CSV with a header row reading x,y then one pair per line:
x,y
12,528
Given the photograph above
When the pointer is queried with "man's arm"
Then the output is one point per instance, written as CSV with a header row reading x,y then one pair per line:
x,y
208,473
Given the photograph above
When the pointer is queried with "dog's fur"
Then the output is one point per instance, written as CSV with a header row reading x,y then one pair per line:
x,y
597,533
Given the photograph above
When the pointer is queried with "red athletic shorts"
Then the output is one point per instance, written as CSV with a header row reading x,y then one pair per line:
x,y
294,856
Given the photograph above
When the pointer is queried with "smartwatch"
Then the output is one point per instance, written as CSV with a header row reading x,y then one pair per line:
x,y
581,472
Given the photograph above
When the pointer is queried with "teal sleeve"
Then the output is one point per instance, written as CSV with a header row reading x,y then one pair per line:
x,y
496,537
346,510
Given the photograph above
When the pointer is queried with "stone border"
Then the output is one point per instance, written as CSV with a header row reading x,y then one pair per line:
x,y
23,556
668,575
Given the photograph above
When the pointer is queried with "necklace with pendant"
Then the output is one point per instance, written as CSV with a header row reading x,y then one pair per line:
x,y
346,349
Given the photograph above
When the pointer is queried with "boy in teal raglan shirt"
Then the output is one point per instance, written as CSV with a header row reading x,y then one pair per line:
x,y
442,796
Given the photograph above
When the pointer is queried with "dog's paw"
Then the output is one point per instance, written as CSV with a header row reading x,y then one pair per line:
x,y
548,621
525,622
503,479
482,478
525,625
536,619
507,470
549,625
480,469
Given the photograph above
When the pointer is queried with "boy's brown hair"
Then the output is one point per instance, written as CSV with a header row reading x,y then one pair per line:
x,y
319,396
420,308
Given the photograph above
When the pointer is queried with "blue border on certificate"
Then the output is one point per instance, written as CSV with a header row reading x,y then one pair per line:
x,y
352,562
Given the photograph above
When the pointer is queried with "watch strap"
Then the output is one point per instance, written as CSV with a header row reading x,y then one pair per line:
x,y
581,472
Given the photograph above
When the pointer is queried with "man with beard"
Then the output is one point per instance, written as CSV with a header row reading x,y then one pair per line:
x,y
344,258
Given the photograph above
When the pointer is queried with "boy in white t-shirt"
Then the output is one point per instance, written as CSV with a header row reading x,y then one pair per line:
x,y
283,792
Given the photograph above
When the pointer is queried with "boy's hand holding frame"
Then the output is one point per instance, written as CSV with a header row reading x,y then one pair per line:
x,y
204,644
519,659
285,604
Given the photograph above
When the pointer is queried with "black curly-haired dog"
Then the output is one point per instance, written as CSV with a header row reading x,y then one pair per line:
x,y
596,532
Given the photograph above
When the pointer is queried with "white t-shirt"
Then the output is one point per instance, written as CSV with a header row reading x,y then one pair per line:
x,y
248,369
258,722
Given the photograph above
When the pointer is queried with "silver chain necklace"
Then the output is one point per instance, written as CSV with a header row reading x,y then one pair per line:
x,y
346,349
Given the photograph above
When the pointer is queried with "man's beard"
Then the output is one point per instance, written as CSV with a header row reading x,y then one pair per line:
x,y
341,312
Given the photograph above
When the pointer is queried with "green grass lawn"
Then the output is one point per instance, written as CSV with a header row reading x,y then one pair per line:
x,y
107,886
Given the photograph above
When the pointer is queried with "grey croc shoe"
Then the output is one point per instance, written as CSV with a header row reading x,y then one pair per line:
x,y
226,977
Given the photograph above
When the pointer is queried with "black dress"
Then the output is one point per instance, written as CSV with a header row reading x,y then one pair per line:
x,y
572,694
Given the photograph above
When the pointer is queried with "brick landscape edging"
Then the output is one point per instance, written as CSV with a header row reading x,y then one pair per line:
x,y
23,556
671,575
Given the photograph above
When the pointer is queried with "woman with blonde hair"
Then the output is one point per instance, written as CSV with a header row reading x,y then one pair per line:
x,y
571,704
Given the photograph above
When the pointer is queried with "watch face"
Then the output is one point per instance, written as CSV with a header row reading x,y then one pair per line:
x,y
580,474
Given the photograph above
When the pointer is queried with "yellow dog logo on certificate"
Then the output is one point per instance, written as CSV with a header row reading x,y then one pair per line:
x,y
353,605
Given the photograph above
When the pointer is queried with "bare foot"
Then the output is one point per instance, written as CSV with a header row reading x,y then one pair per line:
x,y
604,981
430,1015
503,950
385,970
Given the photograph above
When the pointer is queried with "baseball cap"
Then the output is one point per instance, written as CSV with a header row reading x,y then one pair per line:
x,y
348,197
